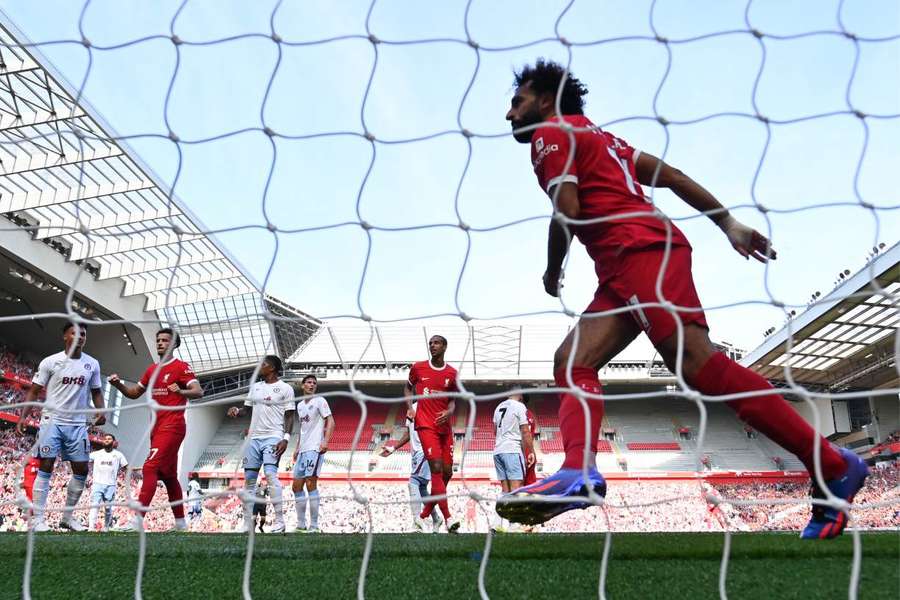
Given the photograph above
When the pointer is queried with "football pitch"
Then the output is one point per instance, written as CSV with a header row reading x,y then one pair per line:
x,y
441,566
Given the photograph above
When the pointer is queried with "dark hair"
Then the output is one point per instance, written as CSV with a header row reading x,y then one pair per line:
x,y
310,376
70,325
442,338
107,434
174,336
275,361
545,77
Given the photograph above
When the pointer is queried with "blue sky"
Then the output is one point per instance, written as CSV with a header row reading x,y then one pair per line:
x,y
418,91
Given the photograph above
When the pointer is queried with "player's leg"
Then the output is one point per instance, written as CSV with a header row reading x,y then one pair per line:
x,y
452,524
270,465
48,446
252,464
312,489
96,503
714,374
76,449
299,488
168,473
108,505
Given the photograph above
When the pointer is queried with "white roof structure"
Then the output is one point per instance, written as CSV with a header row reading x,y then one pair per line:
x,y
846,337
68,179
480,350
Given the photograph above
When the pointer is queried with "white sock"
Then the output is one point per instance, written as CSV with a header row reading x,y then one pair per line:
x,y
180,523
300,506
250,488
92,518
107,518
275,494
40,491
415,500
73,494
314,509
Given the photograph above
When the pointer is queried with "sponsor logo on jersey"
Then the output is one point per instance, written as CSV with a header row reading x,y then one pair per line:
x,y
542,154
74,380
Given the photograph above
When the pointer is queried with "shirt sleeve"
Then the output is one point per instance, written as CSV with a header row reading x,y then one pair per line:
x,y
248,401
550,150
413,377
521,416
122,460
324,409
187,375
43,373
288,399
96,384
145,378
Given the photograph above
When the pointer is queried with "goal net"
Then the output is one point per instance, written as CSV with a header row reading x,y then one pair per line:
x,y
209,167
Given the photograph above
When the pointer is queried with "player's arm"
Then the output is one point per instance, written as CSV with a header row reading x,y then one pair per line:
x,y
282,445
527,445
746,240
192,391
31,395
404,439
558,238
97,399
129,391
329,429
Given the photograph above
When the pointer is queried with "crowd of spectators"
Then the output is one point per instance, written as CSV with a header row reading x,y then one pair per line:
x,y
631,506
13,365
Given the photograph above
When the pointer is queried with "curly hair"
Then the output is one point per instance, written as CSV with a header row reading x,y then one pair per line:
x,y
545,77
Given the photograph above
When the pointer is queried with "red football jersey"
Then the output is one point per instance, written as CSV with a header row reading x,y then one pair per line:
x,y
173,371
532,423
603,168
426,380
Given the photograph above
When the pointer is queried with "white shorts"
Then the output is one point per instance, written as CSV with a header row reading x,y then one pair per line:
x,y
309,464
420,472
510,467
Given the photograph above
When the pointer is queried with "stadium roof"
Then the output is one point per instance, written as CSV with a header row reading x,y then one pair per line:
x,y
66,177
846,339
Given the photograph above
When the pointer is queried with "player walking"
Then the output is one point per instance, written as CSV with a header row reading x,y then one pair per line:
x,y
195,497
513,444
431,379
174,383
107,463
419,474
70,377
272,403
316,427
599,175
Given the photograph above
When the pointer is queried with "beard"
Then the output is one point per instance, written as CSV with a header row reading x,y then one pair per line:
x,y
530,118
109,447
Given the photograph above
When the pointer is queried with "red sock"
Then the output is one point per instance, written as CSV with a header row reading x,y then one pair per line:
x,y
770,414
148,487
571,416
174,490
438,488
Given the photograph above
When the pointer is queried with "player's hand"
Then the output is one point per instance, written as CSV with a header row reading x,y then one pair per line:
x,y
20,426
387,450
114,379
530,460
99,420
442,417
746,240
280,447
323,447
233,412
173,387
552,282
410,414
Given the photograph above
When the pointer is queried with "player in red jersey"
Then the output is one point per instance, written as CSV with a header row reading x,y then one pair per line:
x,y
430,379
531,470
174,383
591,174
28,476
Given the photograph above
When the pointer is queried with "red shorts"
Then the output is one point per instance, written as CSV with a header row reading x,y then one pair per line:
x,y
163,456
634,282
437,445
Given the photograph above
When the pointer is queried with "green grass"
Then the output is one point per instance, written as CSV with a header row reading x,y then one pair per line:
x,y
430,567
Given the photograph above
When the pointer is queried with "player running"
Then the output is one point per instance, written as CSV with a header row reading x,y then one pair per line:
x,y
604,180
513,444
108,462
174,383
70,377
431,379
419,474
316,427
272,403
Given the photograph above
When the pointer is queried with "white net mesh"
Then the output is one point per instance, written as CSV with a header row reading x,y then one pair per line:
x,y
353,163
